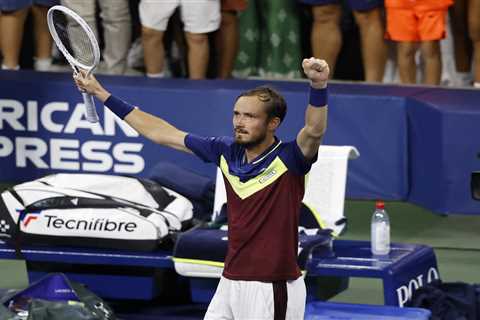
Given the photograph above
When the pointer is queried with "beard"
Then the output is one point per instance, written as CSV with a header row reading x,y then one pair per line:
x,y
252,142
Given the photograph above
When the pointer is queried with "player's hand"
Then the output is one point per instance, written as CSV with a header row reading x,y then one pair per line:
x,y
317,71
86,84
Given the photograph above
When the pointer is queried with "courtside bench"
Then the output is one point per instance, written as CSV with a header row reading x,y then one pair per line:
x,y
405,269
118,274
112,274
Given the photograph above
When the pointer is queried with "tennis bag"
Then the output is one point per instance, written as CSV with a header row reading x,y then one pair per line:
x,y
92,210
54,297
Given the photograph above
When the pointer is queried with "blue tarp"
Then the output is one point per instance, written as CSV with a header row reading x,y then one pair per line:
x,y
345,311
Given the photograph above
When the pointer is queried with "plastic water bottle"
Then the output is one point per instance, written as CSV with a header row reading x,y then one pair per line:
x,y
380,232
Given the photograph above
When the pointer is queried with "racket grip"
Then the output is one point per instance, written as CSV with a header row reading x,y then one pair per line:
x,y
92,115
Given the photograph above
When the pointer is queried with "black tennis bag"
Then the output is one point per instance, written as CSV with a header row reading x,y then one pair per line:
x,y
54,297
92,210
449,300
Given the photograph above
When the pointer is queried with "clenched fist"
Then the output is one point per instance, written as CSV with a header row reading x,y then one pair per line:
x,y
317,71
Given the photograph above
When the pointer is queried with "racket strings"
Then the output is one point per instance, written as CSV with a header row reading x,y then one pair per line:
x,y
74,38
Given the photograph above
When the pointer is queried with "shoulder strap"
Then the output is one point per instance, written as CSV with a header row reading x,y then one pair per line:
x,y
144,210
18,236
93,302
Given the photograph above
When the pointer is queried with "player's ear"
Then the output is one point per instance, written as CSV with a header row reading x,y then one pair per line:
x,y
273,123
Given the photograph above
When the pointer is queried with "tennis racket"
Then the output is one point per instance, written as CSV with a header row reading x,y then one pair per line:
x,y
77,42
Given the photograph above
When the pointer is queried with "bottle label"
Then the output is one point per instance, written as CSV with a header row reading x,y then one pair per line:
x,y
381,238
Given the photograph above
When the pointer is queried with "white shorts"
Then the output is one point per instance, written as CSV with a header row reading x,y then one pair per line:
x,y
198,16
247,300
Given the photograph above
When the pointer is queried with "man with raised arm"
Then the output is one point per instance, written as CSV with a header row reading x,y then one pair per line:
x,y
265,183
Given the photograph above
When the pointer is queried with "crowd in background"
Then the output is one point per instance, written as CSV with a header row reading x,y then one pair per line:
x,y
435,42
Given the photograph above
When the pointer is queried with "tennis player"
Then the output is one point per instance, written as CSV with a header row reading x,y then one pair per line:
x,y
265,182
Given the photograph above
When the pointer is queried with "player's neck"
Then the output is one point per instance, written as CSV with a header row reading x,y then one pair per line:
x,y
251,153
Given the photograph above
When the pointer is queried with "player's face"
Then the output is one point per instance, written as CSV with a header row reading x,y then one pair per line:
x,y
250,121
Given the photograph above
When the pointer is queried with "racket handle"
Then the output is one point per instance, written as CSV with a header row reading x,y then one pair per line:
x,y
92,115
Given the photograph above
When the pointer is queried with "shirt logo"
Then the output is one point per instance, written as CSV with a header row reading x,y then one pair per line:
x,y
267,176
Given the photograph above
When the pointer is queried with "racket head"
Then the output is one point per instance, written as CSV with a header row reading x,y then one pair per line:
x,y
85,53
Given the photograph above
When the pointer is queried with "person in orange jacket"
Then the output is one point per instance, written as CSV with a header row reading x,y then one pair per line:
x,y
417,24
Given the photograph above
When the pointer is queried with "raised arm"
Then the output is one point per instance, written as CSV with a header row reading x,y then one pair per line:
x,y
310,136
150,126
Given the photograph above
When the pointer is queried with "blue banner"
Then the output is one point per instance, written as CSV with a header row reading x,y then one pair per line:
x,y
444,131
44,130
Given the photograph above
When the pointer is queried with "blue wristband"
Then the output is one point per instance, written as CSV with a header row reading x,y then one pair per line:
x,y
318,97
118,106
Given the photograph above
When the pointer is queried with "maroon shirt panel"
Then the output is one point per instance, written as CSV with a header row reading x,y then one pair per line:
x,y
263,231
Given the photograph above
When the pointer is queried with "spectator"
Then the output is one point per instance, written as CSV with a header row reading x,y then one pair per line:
x,y
413,24
326,36
270,43
12,18
465,18
199,18
227,37
116,23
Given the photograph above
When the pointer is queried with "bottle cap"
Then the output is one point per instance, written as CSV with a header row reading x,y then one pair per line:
x,y
380,205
